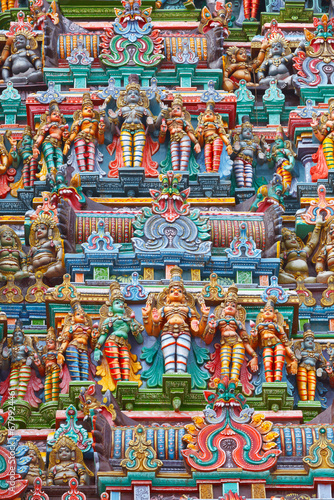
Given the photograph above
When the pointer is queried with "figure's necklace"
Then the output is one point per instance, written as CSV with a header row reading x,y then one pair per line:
x,y
277,62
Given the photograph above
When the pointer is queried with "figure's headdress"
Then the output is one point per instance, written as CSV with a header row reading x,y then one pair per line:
x,y
115,292
271,301
232,53
245,122
33,447
87,101
177,101
53,106
307,331
76,305
27,131
210,106
279,133
49,222
51,335
176,277
18,326
21,27
232,294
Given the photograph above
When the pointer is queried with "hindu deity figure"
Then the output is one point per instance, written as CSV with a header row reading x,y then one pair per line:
x,y
269,335
323,129
50,136
46,252
87,128
65,462
117,321
177,122
246,148
135,117
21,355
48,367
25,152
7,159
229,319
23,65
13,261
176,320
283,157
294,254
36,466
211,134
239,67
310,358
324,256
74,339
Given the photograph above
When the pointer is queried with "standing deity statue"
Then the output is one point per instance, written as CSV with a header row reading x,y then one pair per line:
x,y
211,134
283,157
36,466
238,66
175,319
13,261
48,367
323,129
50,136
294,255
324,256
66,462
20,354
7,158
74,339
87,128
229,319
310,360
177,122
269,335
117,321
135,118
23,65
247,147
46,252
25,152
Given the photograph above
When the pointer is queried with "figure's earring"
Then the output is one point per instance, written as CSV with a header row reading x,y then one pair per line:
x,y
28,46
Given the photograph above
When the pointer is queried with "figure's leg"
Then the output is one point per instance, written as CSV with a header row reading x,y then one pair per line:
x,y
248,174
24,377
183,343
208,152
268,363
83,365
72,361
302,383
175,154
90,156
33,170
55,383
217,152
26,174
48,387
111,350
255,6
47,150
14,381
139,144
168,347
247,8
311,385
225,360
185,147
11,4
80,152
239,171
279,358
58,158
126,139
238,356
328,149
125,362
285,174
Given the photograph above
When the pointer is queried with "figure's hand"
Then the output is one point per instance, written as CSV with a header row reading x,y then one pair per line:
x,y
102,126
237,147
265,44
155,315
60,359
146,310
253,331
212,322
253,364
197,148
66,134
97,354
261,156
37,361
66,149
5,352
205,310
319,219
112,114
163,127
149,120
294,367
194,325
35,152
229,149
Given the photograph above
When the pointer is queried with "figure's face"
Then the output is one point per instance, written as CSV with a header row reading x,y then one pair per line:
x,y
20,42
132,96
79,315
50,344
309,343
176,294
33,455
241,55
279,143
290,240
209,116
18,337
277,49
64,454
118,306
7,239
55,116
230,308
176,110
87,111
278,190
247,133
269,313
41,231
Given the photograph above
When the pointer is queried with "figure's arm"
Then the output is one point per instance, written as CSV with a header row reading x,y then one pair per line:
x,y
75,129
39,364
190,131
136,331
253,363
254,336
6,50
65,340
100,131
225,139
261,55
204,319
261,73
35,60
6,68
320,264
314,239
150,122
210,330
